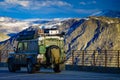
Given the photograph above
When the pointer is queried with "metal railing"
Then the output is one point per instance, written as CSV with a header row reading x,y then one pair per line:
x,y
103,58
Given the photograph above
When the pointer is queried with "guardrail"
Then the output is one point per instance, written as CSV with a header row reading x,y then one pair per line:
x,y
102,58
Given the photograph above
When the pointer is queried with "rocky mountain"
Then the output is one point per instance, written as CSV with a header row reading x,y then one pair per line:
x,y
87,33
94,33
3,37
10,26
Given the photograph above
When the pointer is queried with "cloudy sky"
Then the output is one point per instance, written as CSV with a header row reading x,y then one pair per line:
x,y
24,9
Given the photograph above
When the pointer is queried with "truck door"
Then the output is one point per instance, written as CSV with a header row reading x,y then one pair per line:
x,y
24,53
19,52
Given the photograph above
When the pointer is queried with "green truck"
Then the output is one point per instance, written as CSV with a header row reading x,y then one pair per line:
x,y
27,53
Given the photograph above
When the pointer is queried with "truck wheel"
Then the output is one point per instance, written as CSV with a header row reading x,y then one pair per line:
x,y
18,67
57,68
37,68
11,66
30,67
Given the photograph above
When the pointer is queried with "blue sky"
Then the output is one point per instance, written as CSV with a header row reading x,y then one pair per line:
x,y
25,9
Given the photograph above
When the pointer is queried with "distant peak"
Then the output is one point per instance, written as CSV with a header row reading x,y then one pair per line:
x,y
107,13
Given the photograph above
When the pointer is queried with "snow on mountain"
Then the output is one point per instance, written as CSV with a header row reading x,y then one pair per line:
x,y
10,26
7,19
46,23
107,13
43,21
50,25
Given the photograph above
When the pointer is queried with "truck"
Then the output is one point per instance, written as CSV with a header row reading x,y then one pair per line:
x,y
26,53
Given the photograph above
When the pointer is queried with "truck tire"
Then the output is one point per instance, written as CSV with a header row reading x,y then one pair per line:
x,y
57,68
11,66
37,68
18,67
30,67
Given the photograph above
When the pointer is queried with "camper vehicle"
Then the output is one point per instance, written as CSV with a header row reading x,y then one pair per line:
x,y
27,51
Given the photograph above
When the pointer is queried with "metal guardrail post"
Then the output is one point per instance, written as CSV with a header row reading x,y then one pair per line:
x,y
0,55
94,58
72,57
105,58
118,58
83,58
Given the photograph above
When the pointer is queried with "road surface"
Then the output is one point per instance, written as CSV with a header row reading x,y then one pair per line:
x,y
47,74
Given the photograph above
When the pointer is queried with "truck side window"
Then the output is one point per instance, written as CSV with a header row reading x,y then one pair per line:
x,y
20,47
25,46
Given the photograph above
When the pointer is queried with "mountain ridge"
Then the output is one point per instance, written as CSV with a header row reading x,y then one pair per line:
x,y
92,33
95,34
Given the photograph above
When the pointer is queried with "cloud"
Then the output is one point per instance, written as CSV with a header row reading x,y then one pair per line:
x,y
96,13
82,3
18,2
34,4
86,11
87,3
